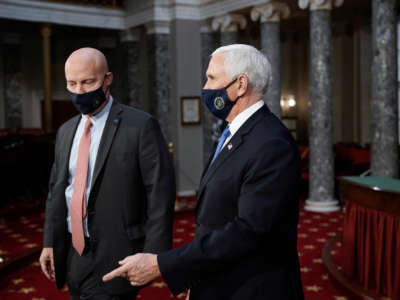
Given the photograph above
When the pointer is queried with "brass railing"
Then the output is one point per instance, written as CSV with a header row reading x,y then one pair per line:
x,y
103,3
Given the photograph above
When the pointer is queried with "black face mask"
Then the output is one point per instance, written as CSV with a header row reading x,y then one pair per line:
x,y
87,103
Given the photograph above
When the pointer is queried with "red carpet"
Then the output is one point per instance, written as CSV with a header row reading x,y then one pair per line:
x,y
28,282
20,235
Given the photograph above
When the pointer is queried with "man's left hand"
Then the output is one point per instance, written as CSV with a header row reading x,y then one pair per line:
x,y
139,269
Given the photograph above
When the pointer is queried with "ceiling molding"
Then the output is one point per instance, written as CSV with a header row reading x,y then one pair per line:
x,y
86,16
136,13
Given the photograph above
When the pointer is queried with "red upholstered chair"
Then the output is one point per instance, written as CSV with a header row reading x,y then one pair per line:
x,y
360,156
5,132
30,131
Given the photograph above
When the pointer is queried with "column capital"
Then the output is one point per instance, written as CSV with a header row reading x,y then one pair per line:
x,y
129,35
229,23
205,26
157,27
46,30
270,12
320,4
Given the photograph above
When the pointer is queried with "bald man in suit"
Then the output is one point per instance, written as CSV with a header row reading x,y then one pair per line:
x,y
112,186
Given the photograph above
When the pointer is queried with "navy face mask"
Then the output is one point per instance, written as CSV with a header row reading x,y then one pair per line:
x,y
87,103
218,102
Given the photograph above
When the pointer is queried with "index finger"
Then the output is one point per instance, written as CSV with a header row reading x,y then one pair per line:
x,y
115,273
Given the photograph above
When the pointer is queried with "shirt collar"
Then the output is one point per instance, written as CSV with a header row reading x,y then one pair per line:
x,y
103,114
239,120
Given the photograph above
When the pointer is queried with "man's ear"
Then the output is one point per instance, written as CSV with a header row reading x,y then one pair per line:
x,y
243,82
109,78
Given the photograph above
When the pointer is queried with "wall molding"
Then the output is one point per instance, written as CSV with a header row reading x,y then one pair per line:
x,y
65,14
137,12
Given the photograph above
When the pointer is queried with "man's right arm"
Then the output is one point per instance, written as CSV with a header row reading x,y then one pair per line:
x,y
46,259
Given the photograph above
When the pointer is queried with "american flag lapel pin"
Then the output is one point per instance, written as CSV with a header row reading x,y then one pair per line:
x,y
230,146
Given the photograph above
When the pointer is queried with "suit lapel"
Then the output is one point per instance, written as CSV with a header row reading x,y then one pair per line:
x,y
233,144
66,143
211,155
208,162
107,137
231,147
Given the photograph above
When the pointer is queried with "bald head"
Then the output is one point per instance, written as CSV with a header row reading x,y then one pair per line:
x,y
85,70
88,57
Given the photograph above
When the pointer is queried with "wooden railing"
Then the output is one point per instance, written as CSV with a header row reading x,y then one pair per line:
x,y
103,3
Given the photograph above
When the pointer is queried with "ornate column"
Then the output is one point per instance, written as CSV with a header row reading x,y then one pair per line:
x,y
229,25
48,108
384,110
13,81
270,15
158,36
209,42
321,191
132,82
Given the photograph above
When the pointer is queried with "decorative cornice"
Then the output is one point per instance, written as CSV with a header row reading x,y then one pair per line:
x,y
220,7
229,23
136,12
66,14
270,12
320,4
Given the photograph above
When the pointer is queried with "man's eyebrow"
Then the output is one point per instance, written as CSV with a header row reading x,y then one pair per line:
x,y
86,79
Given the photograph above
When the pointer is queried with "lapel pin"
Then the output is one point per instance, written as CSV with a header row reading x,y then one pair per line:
x,y
116,121
230,146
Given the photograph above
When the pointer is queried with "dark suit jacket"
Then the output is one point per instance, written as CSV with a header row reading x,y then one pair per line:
x,y
130,208
247,214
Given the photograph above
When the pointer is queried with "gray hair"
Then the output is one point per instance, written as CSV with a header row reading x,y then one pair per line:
x,y
247,60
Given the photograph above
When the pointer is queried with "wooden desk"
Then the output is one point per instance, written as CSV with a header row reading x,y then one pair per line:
x,y
370,233
378,193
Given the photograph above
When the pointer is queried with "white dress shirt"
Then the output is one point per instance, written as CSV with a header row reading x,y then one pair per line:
x,y
241,118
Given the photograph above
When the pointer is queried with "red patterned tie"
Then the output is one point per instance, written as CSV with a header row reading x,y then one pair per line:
x,y
78,205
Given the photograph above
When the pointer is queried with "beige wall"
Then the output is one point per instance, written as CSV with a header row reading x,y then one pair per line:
x,y
343,85
365,58
295,79
351,80
186,81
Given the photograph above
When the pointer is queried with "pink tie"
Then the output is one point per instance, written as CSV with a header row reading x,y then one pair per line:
x,y
78,205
